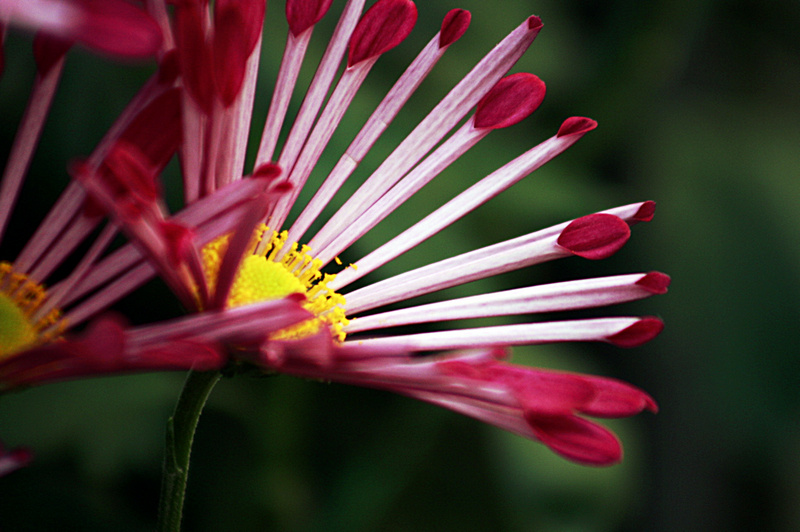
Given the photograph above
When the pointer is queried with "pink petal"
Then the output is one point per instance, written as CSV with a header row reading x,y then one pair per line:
x,y
179,241
637,334
156,129
129,174
385,25
268,171
576,125
195,55
645,212
111,26
543,392
117,27
47,51
237,25
302,14
512,99
596,236
614,399
655,282
577,439
454,25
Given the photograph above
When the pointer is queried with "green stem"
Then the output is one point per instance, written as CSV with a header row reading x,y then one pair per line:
x,y
180,435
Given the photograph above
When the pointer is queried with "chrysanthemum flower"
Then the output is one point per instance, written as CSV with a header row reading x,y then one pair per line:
x,y
34,317
209,62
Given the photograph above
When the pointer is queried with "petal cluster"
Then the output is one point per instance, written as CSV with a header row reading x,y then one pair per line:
x,y
198,107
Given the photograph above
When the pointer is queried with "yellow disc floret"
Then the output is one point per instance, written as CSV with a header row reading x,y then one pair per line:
x,y
22,323
265,273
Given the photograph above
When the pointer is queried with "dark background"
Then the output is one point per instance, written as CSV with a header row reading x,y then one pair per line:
x,y
698,110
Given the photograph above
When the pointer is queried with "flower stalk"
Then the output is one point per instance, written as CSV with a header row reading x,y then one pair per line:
x,y
178,450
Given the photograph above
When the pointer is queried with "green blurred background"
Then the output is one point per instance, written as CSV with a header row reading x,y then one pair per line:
x,y
698,109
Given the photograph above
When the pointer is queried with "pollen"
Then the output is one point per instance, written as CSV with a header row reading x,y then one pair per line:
x,y
266,273
23,324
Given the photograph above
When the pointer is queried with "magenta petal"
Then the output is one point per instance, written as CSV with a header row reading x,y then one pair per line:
x,y
179,241
540,391
382,27
596,236
655,282
577,439
637,334
96,351
195,55
645,212
114,26
267,171
128,175
534,23
230,54
576,125
548,393
237,26
184,354
454,25
48,50
302,14
613,398
512,99
156,130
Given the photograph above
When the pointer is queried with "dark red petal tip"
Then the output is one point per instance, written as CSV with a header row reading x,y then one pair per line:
x,y
237,26
645,212
512,99
454,25
168,69
116,27
302,14
267,171
195,55
577,439
382,27
534,23
596,236
655,282
614,399
157,129
48,50
576,125
637,334
179,240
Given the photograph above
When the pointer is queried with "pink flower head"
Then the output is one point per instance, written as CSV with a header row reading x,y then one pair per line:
x,y
39,303
236,247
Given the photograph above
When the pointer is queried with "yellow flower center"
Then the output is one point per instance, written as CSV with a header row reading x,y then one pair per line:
x,y
21,324
265,274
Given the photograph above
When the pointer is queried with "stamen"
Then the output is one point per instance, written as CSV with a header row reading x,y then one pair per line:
x,y
20,299
266,274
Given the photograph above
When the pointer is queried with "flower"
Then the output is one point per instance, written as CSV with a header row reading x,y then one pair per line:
x,y
209,65
33,317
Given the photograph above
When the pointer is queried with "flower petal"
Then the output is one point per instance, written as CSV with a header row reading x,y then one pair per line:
x,y
577,439
596,236
385,25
